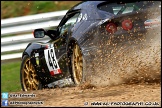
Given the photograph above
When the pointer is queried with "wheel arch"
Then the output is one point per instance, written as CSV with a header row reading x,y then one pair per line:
x,y
70,46
71,42
30,48
24,54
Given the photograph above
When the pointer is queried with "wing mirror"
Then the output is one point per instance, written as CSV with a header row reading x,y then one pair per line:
x,y
39,33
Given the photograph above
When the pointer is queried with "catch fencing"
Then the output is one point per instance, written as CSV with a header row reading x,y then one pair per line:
x,y
16,33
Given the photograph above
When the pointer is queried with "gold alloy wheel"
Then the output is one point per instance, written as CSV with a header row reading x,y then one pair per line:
x,y
77,64
29,76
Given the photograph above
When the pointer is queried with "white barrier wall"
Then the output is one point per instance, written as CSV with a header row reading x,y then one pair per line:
x,y
23,25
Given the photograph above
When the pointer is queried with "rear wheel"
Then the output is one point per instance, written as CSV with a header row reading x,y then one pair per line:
x,y
28,77
77,65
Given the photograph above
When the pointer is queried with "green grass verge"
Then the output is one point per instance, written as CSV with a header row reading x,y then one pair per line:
x,y
11,9
10,77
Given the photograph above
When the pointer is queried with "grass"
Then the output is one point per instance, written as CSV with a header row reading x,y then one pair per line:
x,y
10,77
11,9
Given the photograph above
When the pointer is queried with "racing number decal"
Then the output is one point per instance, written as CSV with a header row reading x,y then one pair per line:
x,y
52,61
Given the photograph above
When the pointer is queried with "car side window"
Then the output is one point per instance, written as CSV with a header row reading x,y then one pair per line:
x,y
69,23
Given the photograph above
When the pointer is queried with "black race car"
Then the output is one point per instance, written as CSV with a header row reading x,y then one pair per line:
x,y
76,40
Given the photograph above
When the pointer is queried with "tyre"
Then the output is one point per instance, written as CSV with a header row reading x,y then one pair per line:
x,y
77,63
28,77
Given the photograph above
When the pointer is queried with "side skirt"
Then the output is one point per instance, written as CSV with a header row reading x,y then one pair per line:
x,y
61,83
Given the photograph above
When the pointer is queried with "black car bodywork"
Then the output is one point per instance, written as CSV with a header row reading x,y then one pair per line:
x,y
89,32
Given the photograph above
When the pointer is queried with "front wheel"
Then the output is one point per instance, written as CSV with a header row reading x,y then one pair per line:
x,y
77,61
28,77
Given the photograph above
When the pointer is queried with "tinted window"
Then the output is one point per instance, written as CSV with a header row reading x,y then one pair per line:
x,y
72,19
117,8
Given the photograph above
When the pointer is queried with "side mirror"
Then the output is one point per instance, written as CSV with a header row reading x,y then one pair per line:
x,y
39,33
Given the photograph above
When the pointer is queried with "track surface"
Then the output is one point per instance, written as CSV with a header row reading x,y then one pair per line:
x,y
146,93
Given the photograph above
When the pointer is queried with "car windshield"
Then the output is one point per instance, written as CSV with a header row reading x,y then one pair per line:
x,y
117,8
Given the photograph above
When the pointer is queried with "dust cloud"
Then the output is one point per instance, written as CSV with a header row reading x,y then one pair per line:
x,y
138,59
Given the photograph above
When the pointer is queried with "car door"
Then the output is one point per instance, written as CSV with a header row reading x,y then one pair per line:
x,y
64,31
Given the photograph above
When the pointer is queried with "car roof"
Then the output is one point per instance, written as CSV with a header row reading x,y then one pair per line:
x,y
85,5
89,6
93,4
